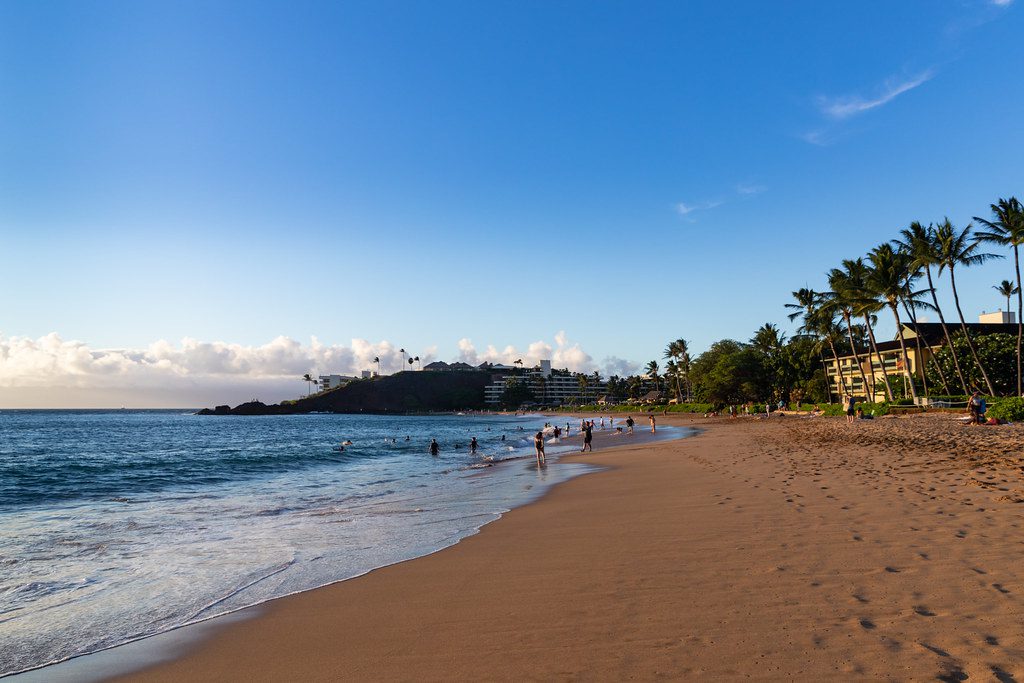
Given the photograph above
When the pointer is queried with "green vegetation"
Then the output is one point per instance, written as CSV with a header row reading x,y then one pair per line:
x,y
1009,409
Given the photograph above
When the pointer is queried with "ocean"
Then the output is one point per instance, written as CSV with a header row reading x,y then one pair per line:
x,y
116,525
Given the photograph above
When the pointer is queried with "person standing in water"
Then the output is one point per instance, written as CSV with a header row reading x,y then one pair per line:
x,y
538,443
472,445
654,426
434,447
629,424
588,436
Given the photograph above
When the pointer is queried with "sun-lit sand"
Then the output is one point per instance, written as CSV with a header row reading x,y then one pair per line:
x,y
794,548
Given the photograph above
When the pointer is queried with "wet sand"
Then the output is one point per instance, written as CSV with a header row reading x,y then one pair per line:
x,y
786,548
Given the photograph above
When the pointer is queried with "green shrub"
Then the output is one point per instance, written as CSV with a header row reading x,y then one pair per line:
x,y
1009,409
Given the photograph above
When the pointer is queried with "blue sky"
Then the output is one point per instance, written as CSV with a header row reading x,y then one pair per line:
x,y
425,172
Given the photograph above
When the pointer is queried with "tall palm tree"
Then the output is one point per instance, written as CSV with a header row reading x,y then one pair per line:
x,y
911,300
376,359
652,372
680,351
886,280
920,243
1007,289
1007,227
582,381
411,361
402,351
419,363
768,338
672,374
307,378
841,298
822,322
867,306
960,248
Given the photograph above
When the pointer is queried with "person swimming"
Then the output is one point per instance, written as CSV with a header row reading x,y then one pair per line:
x,y
434,447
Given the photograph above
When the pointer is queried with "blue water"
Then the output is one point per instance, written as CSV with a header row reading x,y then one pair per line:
x,y
115,525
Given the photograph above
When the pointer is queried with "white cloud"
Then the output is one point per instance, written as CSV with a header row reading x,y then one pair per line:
x,y
563,354
53,372
1002,3
748,189
850,105
613,365
684,209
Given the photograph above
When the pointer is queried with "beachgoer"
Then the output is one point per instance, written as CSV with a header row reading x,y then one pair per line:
x,y
629,424
602,423
587,436
434,447
502,437
654,426
472,445
976,408
538,443
851,404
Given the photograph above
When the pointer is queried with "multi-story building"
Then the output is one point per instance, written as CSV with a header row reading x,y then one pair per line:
x,y
922,341
334,381
548,386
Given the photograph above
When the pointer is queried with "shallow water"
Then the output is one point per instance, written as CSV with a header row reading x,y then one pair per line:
x,y
115,525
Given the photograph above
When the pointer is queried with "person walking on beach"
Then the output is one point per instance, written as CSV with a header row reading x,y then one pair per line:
x,y
472,445
538,443
588,436
976,408
654,426
629,424
434,447
851,405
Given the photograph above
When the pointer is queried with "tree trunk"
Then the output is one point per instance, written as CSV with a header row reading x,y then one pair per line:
x,y
869,391
881,364
828,383
920,353
1020,310
967,337
839,369
945,331
903,348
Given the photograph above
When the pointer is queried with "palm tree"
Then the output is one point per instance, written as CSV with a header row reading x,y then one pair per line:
x,y
519,362
402,351
582,381
307,378
680,351
840,299
418,363
867,306
961,249
652,372
376,359
886,279
768,338
1007,289
1008,228
543,381
822,322
912,301
920,244
672,373
411,360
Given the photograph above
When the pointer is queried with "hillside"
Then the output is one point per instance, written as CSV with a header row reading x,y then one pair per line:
x,y
405,392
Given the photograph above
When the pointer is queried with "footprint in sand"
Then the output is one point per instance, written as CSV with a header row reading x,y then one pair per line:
x,y
892,570
999,587
923,611
867,624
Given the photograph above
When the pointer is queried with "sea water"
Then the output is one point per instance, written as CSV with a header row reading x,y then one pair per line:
x,y
116,525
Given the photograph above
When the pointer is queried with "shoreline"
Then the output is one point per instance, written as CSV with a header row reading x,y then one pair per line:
x,y
145,651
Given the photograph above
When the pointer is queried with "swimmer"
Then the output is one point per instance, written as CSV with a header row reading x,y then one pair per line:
x,y
472,445
434,447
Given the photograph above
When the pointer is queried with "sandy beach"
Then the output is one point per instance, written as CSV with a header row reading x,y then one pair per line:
x,y
793,548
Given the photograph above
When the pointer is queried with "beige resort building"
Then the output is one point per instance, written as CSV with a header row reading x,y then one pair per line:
x,y
931,340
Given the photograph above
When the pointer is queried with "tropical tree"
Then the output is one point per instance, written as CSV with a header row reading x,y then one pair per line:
x,y
376,359
402,351
1007,228
680,351
887,280
822,321
582,381
411,361
845,296
419,364
961,248
1007,289
308,378
920,244
652,373
672,374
